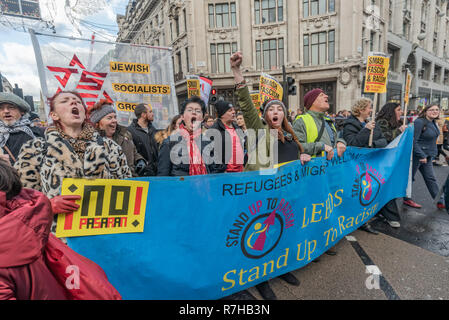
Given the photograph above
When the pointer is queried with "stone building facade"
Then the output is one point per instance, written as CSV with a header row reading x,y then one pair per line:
x,y
322,43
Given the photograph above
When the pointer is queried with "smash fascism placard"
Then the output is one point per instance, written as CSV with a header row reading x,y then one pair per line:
x,y
377,73
193,88
270,88
106,207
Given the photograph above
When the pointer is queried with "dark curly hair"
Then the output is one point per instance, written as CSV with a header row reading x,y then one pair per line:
x,y
9,180
388,113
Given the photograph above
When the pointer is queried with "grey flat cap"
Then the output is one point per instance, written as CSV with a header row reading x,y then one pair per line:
x,y
6,97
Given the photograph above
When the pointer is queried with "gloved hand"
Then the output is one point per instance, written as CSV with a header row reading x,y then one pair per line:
x,y
140,166
64,204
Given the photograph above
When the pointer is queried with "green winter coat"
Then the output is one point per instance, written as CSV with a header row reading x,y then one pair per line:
x,y
315,148
259,148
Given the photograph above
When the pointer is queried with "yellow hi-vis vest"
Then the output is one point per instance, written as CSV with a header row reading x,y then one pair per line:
x,y
311,129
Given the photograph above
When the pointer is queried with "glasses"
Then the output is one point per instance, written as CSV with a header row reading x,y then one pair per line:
x,y
196,111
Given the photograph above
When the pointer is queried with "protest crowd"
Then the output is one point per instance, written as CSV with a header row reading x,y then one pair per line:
x,y
89,143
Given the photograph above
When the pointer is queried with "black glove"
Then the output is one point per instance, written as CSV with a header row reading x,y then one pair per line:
x,y
140,166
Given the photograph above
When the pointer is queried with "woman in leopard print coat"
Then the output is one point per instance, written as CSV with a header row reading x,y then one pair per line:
x,y
70,149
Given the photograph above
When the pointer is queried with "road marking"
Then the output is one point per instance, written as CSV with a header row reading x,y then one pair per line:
x,y
373,269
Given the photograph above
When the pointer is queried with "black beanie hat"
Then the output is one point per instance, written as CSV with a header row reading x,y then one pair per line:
x,y
222,107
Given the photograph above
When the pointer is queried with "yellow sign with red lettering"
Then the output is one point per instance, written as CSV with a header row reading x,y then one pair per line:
x,y
407,87
270,89
377,68
255,97
193,88
106,207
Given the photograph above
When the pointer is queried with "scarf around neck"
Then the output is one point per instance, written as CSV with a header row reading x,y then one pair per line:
x,y
79,143
196,163
22,125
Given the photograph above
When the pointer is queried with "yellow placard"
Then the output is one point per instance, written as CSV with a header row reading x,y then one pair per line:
x,y
106,207
193,88
377,73
125,106
255,97
270,89
141,88
407,87
129,67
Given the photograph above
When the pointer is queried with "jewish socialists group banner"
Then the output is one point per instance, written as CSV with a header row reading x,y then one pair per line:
x,y
208,237
125,75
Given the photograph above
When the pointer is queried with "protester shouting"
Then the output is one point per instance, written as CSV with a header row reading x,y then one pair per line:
x,y
425,150
143,131
356,132
70,149
104,117
15,126
187,158
315,130
230,146
274,115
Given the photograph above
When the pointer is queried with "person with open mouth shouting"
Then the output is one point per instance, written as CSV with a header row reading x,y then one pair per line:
x,y
71,148
277,130
104,117
181,154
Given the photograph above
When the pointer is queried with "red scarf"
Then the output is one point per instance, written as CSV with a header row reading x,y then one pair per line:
x,y
236,162
196,163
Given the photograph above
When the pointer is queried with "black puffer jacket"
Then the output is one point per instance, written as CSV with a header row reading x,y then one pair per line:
x,y
146,146
225,142
18,139
356,135
166,167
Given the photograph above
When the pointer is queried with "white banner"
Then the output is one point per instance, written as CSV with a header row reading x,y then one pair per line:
x,y
124,74
205,86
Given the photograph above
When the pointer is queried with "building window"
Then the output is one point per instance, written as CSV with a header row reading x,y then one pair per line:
x,y
424,15
268,11
185,19
222,15
319,48
187,60
394,52
220,54
317,7
269,54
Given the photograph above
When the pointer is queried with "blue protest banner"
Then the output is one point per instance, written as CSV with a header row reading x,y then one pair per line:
x,y
207,237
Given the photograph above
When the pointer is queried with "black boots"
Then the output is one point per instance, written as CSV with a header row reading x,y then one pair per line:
x,y
290,279
265,291
268,294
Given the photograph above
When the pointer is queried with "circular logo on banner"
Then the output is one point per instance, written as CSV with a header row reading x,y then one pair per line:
x,y
262,235
369,188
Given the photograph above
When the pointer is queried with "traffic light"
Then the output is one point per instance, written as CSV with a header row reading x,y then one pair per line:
x,y
213,97
291,86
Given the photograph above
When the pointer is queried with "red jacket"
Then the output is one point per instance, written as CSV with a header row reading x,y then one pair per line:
x,y
24,230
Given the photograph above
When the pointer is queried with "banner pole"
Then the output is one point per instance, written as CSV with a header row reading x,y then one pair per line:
x,y
376,95
40,70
